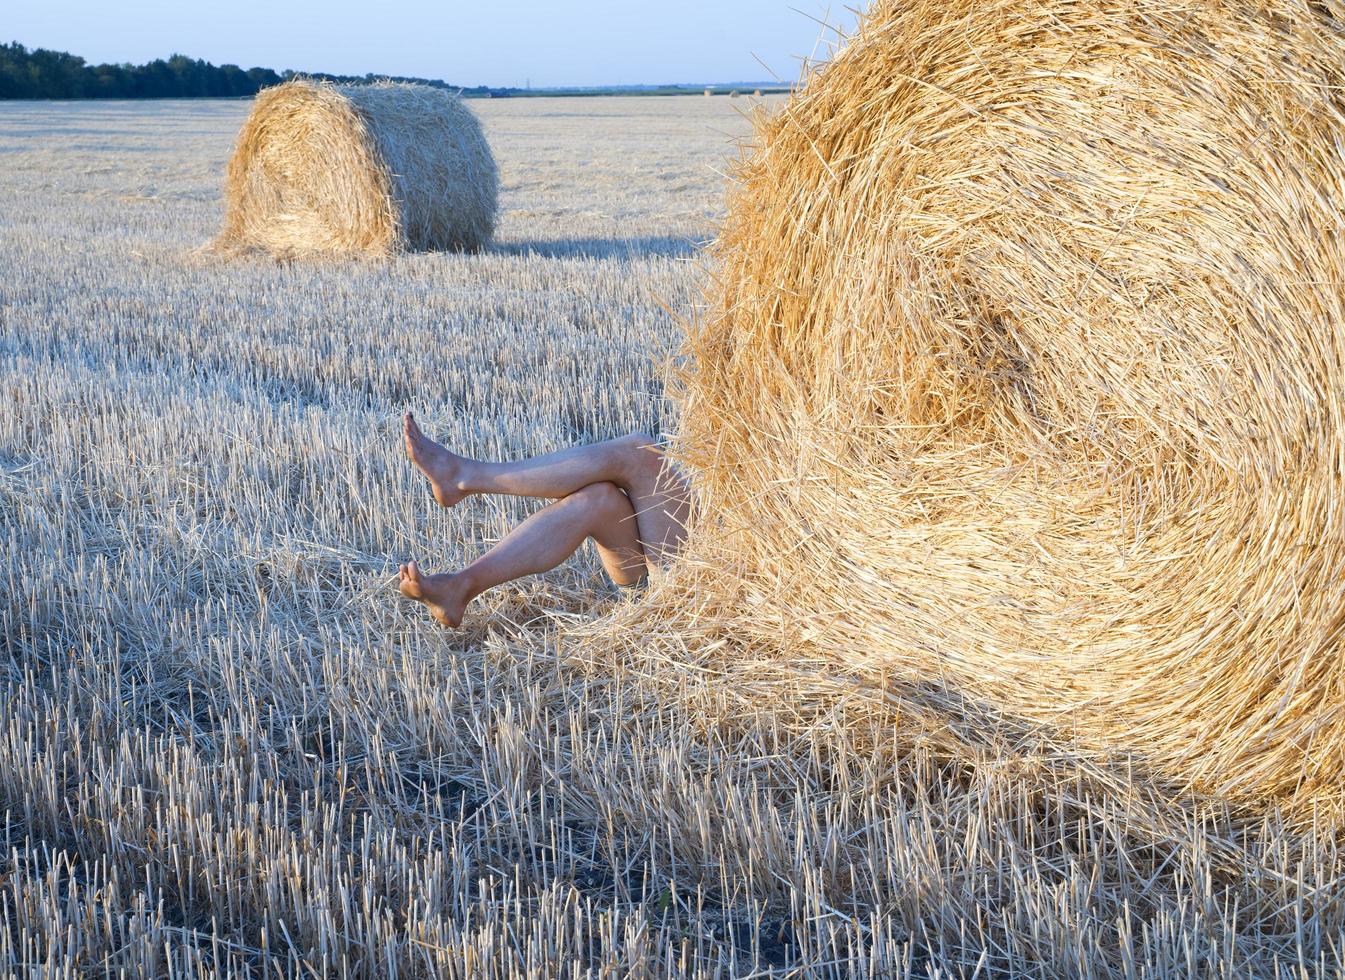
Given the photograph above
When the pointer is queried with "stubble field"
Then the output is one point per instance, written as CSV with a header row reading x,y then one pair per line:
x,y
227,746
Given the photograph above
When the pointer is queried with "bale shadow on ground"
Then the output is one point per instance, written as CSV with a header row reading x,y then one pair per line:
x,y
670,246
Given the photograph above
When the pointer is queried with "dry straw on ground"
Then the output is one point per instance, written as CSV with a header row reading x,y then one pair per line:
x,y
1020,383
370,169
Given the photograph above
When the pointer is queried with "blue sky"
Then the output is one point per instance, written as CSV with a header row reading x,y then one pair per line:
x,y
468,42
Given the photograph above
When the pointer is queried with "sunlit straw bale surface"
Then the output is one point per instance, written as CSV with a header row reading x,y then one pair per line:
x,y
1021,385
226,749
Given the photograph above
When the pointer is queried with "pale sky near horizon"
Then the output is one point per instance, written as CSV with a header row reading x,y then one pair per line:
x,y
466,42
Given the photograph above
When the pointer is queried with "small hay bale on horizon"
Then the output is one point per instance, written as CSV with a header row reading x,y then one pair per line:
x,y
359,169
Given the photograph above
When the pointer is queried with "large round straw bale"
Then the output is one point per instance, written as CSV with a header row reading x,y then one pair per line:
x,y
375,169
1022,377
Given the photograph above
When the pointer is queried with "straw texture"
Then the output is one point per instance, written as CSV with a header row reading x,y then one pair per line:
x,y
364,169
1020,383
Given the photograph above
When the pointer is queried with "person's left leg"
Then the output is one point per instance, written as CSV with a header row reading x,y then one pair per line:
x,y
600,511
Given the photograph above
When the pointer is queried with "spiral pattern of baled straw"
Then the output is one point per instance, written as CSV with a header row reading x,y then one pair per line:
x,y
1021,381
359,170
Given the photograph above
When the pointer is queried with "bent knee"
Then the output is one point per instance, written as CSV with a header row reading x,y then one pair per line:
x,y
604,496
641,440
643,455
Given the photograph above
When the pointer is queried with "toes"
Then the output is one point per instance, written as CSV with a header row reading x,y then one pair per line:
x,y
410,584
412,431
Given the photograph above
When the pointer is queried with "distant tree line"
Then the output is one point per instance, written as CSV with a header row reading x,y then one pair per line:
x,y
43,74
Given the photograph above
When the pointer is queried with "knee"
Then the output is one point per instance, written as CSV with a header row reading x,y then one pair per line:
x,y
642,453
604,498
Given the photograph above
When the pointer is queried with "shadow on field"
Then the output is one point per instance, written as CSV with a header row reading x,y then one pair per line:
x,y
670,246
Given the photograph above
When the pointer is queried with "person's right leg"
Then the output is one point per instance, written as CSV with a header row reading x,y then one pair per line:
x,y
600,511
633,463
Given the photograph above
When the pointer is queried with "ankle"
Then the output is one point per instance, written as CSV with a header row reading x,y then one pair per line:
x,y
468,477
465,584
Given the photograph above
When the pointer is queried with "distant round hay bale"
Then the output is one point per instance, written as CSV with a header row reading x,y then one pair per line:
x,y
371,169
1022,380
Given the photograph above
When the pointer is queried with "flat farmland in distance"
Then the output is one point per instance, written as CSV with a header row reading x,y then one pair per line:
x,y
229,748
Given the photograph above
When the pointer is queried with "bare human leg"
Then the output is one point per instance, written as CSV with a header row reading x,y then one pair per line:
x,y
633,463
600,511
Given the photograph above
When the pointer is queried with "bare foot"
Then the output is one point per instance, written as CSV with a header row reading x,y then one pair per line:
x,y
443,595
443,468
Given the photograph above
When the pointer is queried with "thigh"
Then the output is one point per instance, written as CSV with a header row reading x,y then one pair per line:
x,y
662,501
614,529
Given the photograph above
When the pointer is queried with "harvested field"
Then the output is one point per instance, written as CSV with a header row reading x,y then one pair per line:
x,y
226,748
